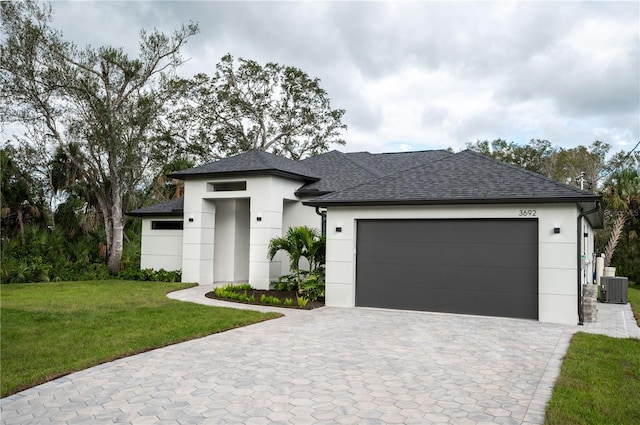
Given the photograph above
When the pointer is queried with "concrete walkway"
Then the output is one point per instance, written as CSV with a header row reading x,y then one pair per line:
x,y
326,366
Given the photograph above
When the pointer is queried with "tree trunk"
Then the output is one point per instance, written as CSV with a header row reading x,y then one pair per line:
x,y
20,224
115,242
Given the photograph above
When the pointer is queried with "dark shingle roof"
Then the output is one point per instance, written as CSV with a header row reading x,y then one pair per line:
x,y
383,164
336,172
173,207
465,177
340,171
250,162
411,178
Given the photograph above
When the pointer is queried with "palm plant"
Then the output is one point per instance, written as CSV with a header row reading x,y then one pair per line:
x,y
300,242
621,194
19,202
164,188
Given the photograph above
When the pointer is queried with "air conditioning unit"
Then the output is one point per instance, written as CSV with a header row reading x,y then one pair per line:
x,y
614,289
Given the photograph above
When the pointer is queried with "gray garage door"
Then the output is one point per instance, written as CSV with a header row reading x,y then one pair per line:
x,y
483,267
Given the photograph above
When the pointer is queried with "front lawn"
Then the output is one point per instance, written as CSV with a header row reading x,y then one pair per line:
x,y
52,329
599,380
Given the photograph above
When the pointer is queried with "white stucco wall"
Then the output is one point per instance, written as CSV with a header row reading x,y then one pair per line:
x,y
231,245
557,255
198,241
160,249
218,227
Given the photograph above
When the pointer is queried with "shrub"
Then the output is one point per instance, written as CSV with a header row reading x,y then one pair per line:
x,y
51,255
234,292
161,275
312,287
269,300
302,302
287,282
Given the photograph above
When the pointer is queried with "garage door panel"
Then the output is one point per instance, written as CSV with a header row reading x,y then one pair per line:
x,y
483,303
401,230
485,267
489,255
391,277
466,302
395,253
496,231
486,279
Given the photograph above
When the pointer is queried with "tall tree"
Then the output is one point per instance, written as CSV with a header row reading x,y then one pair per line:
x,y
570,164
98,99
622,201
274,108
19,198
164,188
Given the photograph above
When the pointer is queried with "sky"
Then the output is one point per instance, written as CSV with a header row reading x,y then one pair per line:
x,y
418,75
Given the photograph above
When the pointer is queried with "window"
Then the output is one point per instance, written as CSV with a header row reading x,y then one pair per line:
x,y
227,186
167,225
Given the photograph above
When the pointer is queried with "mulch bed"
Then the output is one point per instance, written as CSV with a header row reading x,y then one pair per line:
x,y
281,295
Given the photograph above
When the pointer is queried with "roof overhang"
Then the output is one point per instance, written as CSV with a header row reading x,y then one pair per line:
x,y
450,201
311,192
596,216
235,174
173,213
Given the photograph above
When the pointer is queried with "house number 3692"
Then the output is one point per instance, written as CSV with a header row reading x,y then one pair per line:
x,y
527,213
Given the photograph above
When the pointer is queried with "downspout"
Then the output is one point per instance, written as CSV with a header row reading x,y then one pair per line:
x,y
323,214
579,264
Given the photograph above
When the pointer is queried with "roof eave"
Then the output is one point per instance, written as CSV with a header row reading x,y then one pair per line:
x,y
175,213
596,218
449,201
225,174
315,193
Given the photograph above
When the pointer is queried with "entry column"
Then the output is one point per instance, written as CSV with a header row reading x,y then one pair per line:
x,y
198,241
265,224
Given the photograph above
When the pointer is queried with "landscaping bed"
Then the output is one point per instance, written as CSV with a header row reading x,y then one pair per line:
x,y
282,296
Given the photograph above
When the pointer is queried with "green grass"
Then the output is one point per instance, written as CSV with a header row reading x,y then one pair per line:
x,y
52,329
599,383
599,380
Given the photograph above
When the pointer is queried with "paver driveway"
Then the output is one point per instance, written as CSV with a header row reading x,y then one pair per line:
x,y
325,366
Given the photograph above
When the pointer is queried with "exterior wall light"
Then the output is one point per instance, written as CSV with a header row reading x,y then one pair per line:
x,y
338,229
556,230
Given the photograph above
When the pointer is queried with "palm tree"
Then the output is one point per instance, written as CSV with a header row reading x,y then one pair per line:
x,y
163,188
621,194
316,251
18,201
300,242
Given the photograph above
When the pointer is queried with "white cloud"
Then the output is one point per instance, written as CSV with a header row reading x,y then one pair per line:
x,y
420,75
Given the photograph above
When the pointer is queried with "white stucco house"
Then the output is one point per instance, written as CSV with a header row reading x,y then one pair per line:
x,y
431,230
